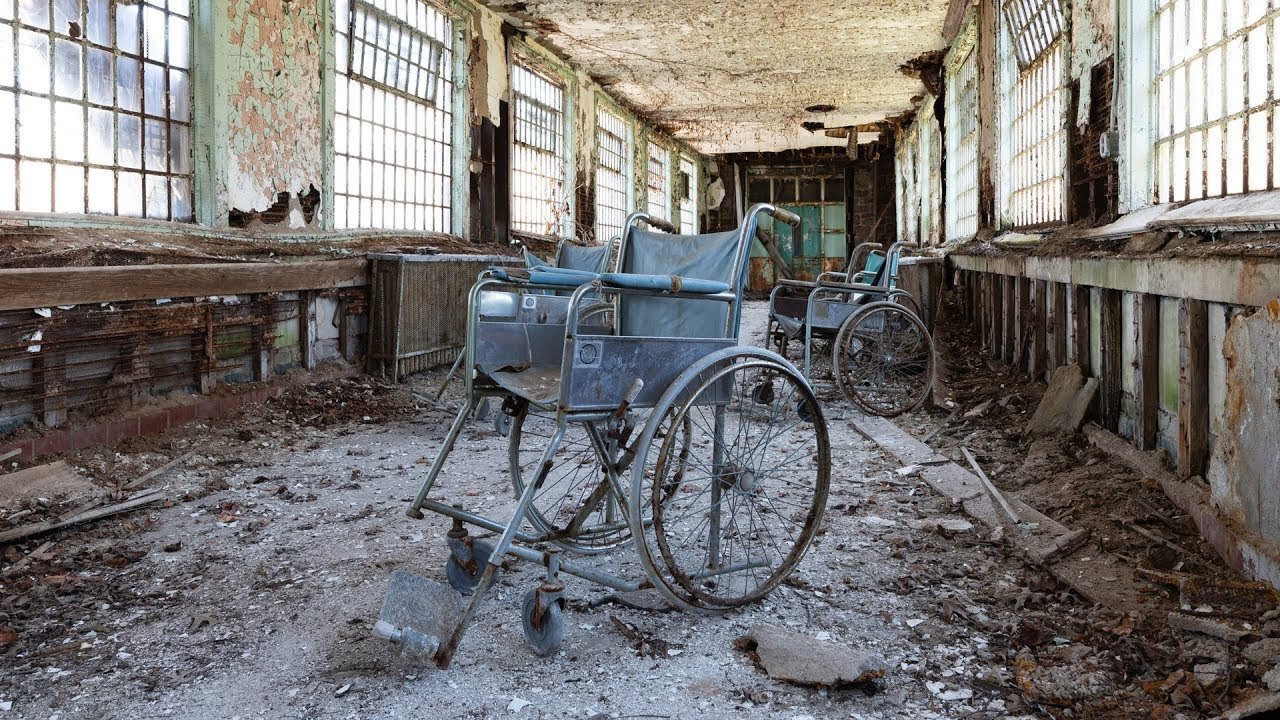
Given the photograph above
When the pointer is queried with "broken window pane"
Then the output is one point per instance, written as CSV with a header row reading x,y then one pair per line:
x,y
66,69
35,182
34,12
382,98
68,188
1034,114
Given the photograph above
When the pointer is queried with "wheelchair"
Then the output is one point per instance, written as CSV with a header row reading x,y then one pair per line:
x,y
881,352
637,422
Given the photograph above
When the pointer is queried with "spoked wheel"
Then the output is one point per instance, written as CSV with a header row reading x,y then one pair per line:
x,y
576,505
906,300
884,359
728,516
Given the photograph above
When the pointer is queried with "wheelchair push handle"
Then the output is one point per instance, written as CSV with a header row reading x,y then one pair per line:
x,y
785,216
660,224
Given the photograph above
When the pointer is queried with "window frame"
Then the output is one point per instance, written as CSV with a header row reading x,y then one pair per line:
x,y
665,175
81,102
688,204
529,63
961,215
603,233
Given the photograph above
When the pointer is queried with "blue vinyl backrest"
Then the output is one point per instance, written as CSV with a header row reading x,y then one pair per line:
x,y
576,257
707,257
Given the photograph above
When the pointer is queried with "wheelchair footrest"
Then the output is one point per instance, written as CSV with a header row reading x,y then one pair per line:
x,y
418,616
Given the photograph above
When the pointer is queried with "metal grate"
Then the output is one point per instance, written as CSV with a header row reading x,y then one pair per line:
x,y
418,309
1216,100
659,181
95,107
688,197
393,121
962,146
537,153
613,147
1035,154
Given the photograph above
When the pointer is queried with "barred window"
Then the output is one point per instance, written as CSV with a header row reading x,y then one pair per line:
x,y
659,182
1216,103
95,107
393,122
537,153
688,197
613,147
1035,153
962,145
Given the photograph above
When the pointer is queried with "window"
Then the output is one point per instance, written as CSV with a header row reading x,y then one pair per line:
x,y
393,121
688,187
820,203
659,182
613,147
1035,102
537,153
95,107
1214,99
962,142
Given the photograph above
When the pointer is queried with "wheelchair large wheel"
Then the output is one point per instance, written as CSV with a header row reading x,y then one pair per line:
x,y
728,516
883,359
574,482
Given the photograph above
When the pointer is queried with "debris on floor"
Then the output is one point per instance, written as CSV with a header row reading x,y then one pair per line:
x,y
797,658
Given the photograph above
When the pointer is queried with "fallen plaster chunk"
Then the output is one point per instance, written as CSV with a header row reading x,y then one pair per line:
x,y
1271,679
795,658
1064,404
1205,626
939,690
517,704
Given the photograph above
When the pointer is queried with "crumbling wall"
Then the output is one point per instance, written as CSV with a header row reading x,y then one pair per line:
x,y
1243,476
271,59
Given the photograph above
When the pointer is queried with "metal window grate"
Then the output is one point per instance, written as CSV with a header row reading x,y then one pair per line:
x,y
393,120
659,181
1217,100
962,147
95,107
1035,159
688,197
1034,25
613,146
537,153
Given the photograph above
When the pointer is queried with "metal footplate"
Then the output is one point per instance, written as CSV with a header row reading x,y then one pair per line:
x,y
416,614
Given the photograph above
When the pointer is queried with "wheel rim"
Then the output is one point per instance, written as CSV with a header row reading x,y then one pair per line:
x,y
884,359
742,511
575,476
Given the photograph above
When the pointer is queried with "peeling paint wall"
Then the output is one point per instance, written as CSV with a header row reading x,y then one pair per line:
x,y
1243,476
270,79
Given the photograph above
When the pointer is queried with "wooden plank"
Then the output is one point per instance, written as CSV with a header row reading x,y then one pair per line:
x,y
307,328
1039,354
1061,327
1080,328
1193,386
26,531
1009,333
995,308
1026,320
22,288
1146,370
1112,355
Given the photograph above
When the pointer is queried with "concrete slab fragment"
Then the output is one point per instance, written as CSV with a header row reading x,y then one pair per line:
x,y
795,658
1063,407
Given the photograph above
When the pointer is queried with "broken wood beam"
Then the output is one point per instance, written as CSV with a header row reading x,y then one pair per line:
x,y
1010,513
1146,369
1193,386
162,469
768,240
1111,353
26,531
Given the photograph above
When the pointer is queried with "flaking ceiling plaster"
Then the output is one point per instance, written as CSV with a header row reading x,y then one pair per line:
x,y
737,76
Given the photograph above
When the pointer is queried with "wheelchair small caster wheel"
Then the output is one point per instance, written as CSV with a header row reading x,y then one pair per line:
x,y
543,634
482,410
502,424
463,580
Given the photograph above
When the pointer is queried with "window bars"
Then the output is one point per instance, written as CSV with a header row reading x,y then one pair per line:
x,y
688,187
95,107
659,181
1035,154
1216,100
962,147
393,122
612,149
537,153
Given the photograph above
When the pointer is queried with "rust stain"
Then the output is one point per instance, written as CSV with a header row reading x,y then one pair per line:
x,y
1273,310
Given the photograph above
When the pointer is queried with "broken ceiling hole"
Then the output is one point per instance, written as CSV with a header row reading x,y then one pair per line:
x,y
813,125
820,108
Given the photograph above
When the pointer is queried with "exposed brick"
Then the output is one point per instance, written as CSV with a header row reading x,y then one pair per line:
x,y
121,429
89,436
182,414
206,408
51,444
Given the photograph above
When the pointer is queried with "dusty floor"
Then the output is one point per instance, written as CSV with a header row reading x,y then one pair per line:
x,y
252,591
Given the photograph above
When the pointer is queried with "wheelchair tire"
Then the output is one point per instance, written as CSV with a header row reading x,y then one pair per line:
x,y
883,359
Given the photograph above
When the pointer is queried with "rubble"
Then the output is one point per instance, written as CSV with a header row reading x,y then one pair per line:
x,y
1065,402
